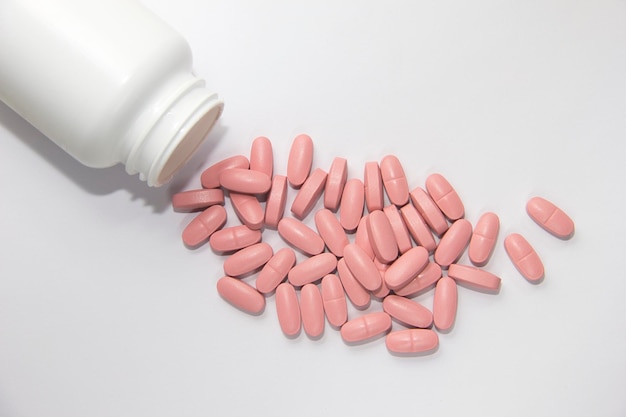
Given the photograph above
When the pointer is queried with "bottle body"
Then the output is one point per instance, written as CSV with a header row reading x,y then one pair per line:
x,y
109,82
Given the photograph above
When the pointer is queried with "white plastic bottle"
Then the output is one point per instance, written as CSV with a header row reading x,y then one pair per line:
x,y
107,80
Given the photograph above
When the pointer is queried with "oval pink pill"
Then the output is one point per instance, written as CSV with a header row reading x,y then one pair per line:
x,y
334,299
453,242
394,180
524,257
474,277
248,209
275,204
418,228
245,181
366,327
336,180
445,303
550,217
312,269
300,236
210,177
331,231
445,196
406,267
381,236
241,295
429,211
300,160
352,202
407,311
247,259
373,187
288,309
234,238
275,270
358,295
261,156
484,239
197,199
362,267
203,225
399,228
312,310
412,341
309,193
362,239
425,279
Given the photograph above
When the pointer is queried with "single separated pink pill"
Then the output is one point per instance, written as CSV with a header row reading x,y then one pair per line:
x,y
373,186
275,204
550,217
445,196
381,237
210,177
312,310
337,177
352,201
245,181
241,295
312,269
261,156
203,225
309,193
366,327
445,303
300,160
407,311
453,242
429,211
474,277
412,341
275,270
406,267
524,257
484,239
288,309
334,299
418,228
234,238
425,279
362,267
248,208
197,199
399,228
362,239
247,259
301,236
358,295
394,180
331,231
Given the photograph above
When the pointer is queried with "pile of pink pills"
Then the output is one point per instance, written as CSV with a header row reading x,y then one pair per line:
x,y
361,249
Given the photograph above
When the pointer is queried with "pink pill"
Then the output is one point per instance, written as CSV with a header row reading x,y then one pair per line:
x,y
383,291
358,295
366,327
445,196
334,299
300,236
418,228
362,239
400,231
429,211
245,181
453,242
203,225
261,156
550,217
241,295
352,202
412,341
381,237
275,270
248,209
445,304
247,259
524,257
331,231
424,280
406,268
362,267
197,199
337,177
288,309
234,238
373,186
484,239
309,193
394,180
407,311
312,269
275,204
474,277
312,310
210,177
300,160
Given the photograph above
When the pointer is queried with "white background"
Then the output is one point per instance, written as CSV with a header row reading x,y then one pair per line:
x,y
104,312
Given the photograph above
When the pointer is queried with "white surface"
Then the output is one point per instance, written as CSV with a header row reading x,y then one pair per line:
x,y
103,311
